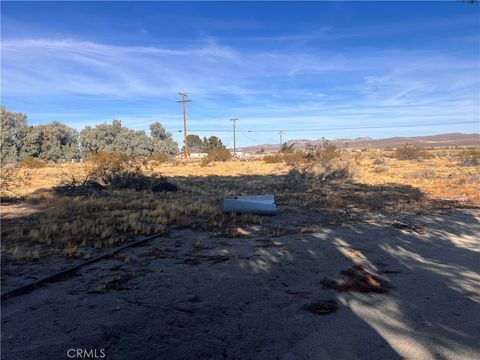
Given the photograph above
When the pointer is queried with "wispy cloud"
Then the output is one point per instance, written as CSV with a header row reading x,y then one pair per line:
x,y
263,86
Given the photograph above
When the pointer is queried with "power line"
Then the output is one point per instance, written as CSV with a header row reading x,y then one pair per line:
x,y
340,129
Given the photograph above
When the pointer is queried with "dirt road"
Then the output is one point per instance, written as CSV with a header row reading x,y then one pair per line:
x,y
192,296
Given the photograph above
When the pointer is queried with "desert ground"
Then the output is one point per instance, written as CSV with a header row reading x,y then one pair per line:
x,y
380,264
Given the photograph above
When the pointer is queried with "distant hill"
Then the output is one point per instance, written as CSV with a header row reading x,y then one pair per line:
x,y
441,140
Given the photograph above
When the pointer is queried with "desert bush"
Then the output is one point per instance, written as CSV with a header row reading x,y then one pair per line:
x,y
160,158
33,163
473,179
336,170
205,161
216,154
469,157
293,158
105,165
379,161
411,152
273,158
286,148
116,171
324,153
12,178
340,170
219,154
425,174
379,169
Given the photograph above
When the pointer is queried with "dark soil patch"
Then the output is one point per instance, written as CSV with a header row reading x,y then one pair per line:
x,y
359,280
324,307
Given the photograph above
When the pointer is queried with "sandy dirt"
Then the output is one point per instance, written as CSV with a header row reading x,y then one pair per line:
x,y
193,296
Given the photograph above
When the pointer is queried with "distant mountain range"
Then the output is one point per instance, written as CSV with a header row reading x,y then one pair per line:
x,y
441,140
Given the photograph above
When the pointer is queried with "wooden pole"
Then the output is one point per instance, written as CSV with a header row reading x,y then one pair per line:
x,y
185,143
234,137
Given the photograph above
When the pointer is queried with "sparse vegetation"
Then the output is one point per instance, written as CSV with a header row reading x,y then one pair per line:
x,y
275,158
120,206
33,163
379,161
11,179
411,152
323,154
470,157
219,154
379,169
427,173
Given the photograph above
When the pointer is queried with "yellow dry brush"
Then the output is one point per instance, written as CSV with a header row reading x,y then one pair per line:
x,y
77,225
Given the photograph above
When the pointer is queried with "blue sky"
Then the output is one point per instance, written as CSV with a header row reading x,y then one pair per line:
x,y
291,66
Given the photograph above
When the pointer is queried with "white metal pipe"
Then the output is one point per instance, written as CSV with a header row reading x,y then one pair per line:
x,y
248,207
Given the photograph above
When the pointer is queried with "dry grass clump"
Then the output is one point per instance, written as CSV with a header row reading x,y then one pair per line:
x,y
471,179
158,159
324,163
213,155
336,170
275,158
78,224
411,152
427,173
290,158
114,282
22,253
11,179
114,171
379,169
320,161
469,157
379,161
324,154
33,163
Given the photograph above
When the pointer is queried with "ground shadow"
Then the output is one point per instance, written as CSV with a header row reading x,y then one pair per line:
x,y
194,294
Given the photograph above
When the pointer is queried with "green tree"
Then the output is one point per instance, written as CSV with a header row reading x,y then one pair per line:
x,y
57,142
212,143
116,138
13,129
195,143
163,142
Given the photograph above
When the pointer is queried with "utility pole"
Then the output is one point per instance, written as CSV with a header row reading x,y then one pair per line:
x,y
234,121
280,132
45,146
185,144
